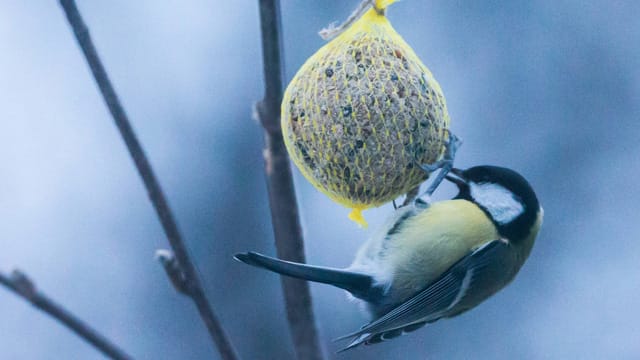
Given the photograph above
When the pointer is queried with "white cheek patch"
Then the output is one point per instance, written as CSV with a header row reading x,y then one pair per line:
x,y
499,202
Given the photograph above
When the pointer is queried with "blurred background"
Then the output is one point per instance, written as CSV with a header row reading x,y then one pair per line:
x,y
549,88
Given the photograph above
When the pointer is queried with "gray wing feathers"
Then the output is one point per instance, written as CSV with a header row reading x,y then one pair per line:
x,y
469,281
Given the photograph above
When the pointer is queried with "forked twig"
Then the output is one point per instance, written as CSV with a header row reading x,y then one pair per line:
x,y
192,281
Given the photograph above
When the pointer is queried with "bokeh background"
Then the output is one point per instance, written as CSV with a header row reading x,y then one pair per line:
x,y
549,88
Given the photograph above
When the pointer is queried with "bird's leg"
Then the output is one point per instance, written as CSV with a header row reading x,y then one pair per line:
x,y
445,164
411,196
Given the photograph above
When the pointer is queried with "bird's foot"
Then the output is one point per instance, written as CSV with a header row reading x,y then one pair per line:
x,y
445,164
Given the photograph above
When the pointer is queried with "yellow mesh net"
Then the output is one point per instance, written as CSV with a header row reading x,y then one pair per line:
x,y
361,112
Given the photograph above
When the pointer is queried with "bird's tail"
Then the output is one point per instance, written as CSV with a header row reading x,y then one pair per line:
x,y
360,285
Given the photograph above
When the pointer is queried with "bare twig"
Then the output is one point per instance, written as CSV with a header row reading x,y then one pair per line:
x,y
193,284
282,199
22,286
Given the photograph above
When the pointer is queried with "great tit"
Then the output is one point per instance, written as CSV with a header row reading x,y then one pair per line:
x,y
434,261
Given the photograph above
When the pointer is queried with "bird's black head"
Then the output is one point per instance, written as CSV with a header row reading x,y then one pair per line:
x,y
503,194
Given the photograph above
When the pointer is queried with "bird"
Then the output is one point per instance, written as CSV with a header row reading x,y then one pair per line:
x,y
433,260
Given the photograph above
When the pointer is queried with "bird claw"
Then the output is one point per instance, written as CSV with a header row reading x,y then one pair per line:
x,y
445,164
433,167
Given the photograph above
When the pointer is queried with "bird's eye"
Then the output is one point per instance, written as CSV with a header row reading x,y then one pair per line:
x,y
480,183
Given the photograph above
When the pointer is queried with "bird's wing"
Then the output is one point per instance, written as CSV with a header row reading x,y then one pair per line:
x,y
471,280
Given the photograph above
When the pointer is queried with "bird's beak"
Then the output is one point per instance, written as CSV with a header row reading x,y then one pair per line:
x,y
456,176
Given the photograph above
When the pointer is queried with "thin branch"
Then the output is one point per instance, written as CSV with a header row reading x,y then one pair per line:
x,y
22,286
193,283
282,198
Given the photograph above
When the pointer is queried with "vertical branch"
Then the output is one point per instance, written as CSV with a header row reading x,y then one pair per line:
x,y
282,199
22,286
192,282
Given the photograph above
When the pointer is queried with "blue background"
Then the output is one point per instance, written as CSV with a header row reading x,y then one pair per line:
x,y
548,88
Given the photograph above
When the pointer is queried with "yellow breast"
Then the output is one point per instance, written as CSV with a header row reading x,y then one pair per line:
x,y
433,240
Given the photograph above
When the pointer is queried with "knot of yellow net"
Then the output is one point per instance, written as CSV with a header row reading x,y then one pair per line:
x,y
356,216
334,30
382,4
